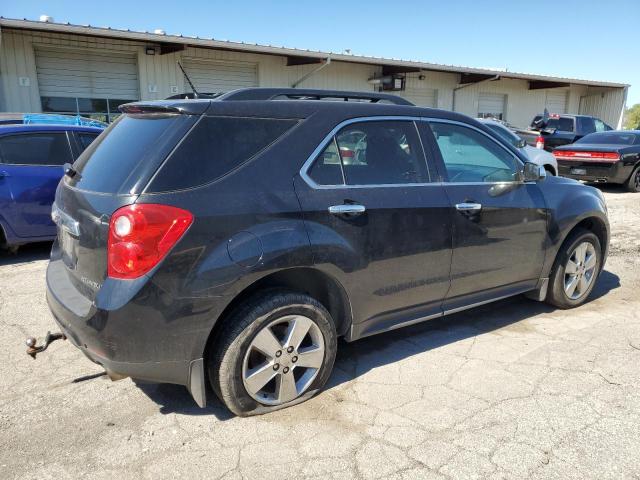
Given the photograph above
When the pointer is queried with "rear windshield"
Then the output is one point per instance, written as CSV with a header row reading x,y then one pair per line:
x,y
215,146
564,124
113,163
610,138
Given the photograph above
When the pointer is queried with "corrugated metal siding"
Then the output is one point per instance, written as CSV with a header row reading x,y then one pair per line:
x,y
419,91
157,74
492,104
556,101
606,105
67,72
215,76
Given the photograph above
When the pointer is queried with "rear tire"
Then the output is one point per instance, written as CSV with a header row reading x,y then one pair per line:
x,y
633,184
575,270
265,357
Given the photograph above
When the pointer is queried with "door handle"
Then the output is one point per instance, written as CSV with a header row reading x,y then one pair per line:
x,y
347,209
466,207
4,174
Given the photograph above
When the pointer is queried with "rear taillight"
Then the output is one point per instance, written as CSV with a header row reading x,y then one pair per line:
x,y
540,142
141,235
587,156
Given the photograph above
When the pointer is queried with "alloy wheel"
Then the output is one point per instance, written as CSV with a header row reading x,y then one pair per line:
x,y
283,359
580,270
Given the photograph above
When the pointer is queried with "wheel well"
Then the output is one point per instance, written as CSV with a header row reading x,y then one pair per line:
x,y
597,226
550,169
312,282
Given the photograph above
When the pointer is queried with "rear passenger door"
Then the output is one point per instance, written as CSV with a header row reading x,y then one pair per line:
x,y
499,222
378,222
31,168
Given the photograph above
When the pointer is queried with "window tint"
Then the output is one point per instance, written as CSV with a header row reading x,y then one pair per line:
x,y
372,153
86,139
215,147
130,141
470,156
327,170
35,149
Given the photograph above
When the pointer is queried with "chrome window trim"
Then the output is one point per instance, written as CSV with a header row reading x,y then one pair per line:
x,y
331,137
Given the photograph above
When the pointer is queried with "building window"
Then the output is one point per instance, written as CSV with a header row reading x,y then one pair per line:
x,y
105,110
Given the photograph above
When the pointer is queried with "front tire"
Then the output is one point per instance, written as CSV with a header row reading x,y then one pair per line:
x,y
575,270
633,184
276,351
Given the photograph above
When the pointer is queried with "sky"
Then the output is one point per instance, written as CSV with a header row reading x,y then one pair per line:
x,y
588,39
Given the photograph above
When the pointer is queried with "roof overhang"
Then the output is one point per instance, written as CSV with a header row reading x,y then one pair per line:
x,y
294,56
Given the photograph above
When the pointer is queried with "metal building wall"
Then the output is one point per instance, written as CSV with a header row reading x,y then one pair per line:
x,y
159,73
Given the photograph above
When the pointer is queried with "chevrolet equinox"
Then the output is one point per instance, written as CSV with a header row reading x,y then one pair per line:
x,y
229,242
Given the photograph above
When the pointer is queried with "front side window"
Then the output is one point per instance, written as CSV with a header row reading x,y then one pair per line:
x,y
470,156
46,148
372,153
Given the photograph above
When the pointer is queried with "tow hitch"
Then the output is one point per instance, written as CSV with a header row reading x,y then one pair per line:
x,y
33,349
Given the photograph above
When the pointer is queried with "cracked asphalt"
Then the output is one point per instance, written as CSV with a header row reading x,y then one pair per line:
x,y
514,389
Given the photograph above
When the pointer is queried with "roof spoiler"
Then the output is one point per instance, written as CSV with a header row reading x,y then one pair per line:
x,y
310,94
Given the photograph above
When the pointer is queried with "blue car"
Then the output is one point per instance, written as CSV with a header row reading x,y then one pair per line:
x,y
31,165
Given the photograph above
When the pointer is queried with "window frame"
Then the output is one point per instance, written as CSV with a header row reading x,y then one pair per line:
x,y
431,154
63,132
331,137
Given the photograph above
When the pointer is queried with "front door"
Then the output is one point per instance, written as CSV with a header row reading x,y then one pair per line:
x,y
378,224
499,222
31,165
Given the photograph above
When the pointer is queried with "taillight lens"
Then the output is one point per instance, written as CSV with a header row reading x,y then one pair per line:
x,y
587,156
141,235
540,142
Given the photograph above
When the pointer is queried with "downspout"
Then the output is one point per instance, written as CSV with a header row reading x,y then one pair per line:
x,y
326,62
460,87
624,105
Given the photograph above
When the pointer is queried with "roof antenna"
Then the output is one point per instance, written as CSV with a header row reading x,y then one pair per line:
x,y
195,92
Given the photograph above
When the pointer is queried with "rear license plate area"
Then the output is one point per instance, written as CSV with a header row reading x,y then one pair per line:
x,y
68,247
578,171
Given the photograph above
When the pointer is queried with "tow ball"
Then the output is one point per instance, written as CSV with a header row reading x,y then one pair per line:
x,y
33,349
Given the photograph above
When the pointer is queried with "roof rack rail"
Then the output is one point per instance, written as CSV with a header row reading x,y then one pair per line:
x,y
310,94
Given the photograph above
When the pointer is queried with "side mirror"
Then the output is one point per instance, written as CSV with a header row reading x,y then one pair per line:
x,y
521,143
533,172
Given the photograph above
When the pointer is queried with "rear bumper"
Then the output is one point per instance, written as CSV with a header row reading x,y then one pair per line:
x,y
595,172
131,338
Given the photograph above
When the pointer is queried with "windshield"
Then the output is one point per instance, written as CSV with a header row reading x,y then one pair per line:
x,y
505,134
610,138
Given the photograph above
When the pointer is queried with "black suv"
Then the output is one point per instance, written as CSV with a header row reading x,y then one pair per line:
x,y
229,242
556,130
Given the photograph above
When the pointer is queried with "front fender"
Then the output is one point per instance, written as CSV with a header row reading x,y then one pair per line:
x,y
570,204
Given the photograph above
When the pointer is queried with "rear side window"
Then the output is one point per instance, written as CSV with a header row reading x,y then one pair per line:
x,y
215,146
86,139
46,148
372,153
111,161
